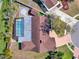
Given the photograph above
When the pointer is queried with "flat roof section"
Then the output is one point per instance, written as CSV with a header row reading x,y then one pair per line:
x,y
28,28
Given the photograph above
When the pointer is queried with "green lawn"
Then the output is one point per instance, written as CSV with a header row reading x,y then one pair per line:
x,y
2,46
59,27
29,55
5,8
2,43
2,30
35,55
67,53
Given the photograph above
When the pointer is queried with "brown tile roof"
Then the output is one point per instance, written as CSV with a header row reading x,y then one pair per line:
x,y
46,42
50,3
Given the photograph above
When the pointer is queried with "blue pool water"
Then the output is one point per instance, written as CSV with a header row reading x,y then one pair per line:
x,y
20,27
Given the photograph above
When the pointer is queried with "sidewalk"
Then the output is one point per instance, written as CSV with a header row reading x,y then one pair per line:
x,y
76,52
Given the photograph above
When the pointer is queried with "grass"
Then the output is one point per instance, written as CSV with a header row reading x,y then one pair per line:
x,y
5,7
2,46
59,27
35,55
30,55
64,49
2,30
67,53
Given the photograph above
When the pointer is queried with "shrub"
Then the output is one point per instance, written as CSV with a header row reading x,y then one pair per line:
x,y
55,55
8,53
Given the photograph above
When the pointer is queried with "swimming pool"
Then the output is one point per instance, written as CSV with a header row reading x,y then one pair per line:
x,y
24,29
20,27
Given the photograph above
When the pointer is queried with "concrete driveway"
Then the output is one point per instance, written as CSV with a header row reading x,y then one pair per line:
x,y
60,40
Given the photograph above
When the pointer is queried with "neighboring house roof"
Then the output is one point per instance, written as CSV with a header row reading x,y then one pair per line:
x,y
50,3
65,4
